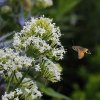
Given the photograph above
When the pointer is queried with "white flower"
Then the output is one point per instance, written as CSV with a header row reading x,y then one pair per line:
x,y
40,30
8,96
1,72
17,40
38,43
4,97
37,68
18,75
26,60
11,95
18,91
16,98
58,52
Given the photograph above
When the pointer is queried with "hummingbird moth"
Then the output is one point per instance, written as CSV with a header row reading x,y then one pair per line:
x,y
81,51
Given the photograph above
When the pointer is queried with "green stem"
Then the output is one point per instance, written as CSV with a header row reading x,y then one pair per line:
x,y
15,77
10,79
22,78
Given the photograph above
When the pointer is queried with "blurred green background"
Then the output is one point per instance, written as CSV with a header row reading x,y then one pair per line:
x,y
79,21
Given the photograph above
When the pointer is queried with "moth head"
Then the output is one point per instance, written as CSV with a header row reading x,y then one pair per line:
x,y
74,48
88,52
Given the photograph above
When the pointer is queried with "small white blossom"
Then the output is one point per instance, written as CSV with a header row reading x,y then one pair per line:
x,y
4,97
18,91
17,40
18,75
40,30
16,98
38,43
37,68
1,72
58,52
8,96
11,94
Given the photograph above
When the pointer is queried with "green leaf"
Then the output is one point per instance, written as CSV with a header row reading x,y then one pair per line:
x,y
65,7
51,92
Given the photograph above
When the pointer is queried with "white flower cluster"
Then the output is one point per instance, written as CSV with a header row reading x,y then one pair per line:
x,y
52,70
58,52
42,35
35,47
43,3
11,61
12,95
30,88
38,43
27,90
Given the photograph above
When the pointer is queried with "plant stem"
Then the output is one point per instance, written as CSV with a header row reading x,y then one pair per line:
x,y
10,79
22,78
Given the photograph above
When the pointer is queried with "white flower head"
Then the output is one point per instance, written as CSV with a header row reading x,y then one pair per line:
x,y
12,61
42,35
31,88
50,70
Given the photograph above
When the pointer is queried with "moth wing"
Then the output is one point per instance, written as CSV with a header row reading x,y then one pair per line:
x,y
80,54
